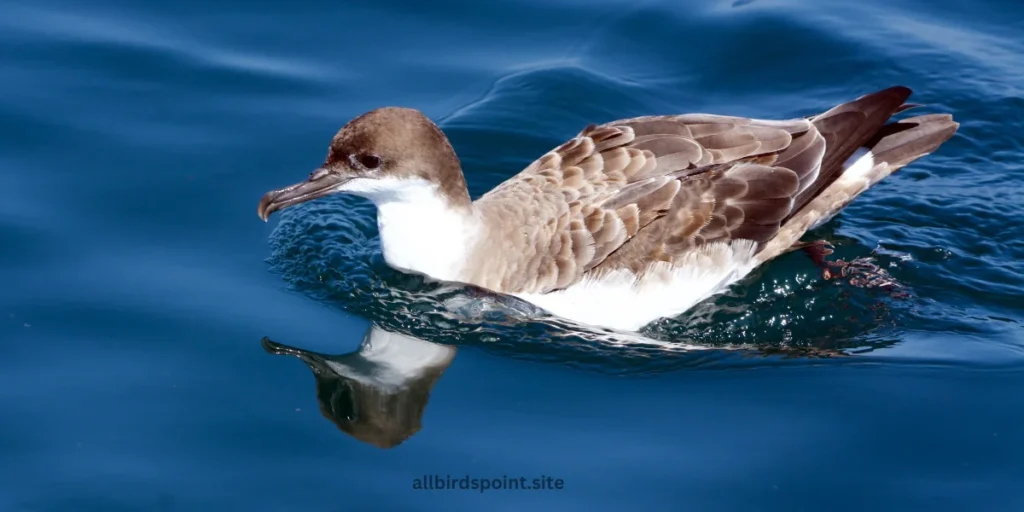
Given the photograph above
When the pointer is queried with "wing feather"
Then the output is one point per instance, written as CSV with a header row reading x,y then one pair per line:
x,y
637,191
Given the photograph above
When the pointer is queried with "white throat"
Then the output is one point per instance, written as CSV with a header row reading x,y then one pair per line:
x,y
419,231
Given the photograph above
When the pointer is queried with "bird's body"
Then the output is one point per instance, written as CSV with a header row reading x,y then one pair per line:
x,y
629,221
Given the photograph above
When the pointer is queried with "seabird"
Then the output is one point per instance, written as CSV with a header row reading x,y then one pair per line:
x,y
629,221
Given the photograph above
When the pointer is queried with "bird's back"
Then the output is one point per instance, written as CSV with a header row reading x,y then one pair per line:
x,y
655,191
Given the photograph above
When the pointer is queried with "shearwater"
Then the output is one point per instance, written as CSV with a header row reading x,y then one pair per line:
x,y
629,221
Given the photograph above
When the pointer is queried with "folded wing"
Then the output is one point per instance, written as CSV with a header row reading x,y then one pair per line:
x,y
637,191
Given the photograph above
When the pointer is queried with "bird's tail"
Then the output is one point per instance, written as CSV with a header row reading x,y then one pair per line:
x,y
891,148
862,148
861,142
897,144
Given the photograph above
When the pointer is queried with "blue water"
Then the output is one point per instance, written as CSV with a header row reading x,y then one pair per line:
x,y
138,284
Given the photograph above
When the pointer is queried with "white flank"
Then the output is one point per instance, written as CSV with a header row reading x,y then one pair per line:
x,y
389,359
618,301
856,168
419,232
858,165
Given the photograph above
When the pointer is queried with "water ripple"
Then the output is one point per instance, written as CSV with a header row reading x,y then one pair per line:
x,y
52,25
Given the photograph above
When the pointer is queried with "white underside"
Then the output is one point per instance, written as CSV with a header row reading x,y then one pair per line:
x,y
618,301
858,165
856,168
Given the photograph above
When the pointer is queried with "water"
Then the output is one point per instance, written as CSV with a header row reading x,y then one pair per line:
x,y
139,285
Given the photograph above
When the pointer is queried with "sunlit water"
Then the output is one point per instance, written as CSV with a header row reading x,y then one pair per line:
x,y
145,308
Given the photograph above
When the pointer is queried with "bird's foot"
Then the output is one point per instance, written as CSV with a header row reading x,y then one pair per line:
x,y
818,251
860,272
864,273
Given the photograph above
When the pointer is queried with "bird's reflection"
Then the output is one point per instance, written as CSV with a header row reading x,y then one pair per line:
x,y
377,393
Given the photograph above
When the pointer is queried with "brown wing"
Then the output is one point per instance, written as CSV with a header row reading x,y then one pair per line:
x,y
635,191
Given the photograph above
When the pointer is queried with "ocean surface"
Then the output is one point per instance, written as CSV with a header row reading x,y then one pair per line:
x,y
163,349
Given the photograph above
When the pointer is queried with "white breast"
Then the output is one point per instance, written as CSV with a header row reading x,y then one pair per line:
x,y
419,231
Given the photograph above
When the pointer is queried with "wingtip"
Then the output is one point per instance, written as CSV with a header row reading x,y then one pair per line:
x,y
900,91
903,89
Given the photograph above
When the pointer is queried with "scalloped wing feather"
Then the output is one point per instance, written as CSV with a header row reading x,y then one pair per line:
x,y
631,193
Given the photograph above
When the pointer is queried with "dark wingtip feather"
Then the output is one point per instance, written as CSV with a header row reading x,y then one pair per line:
x,y
908,106
897,90
847,127
902,89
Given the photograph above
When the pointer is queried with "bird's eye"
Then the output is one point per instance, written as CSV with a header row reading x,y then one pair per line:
x,y
370,161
